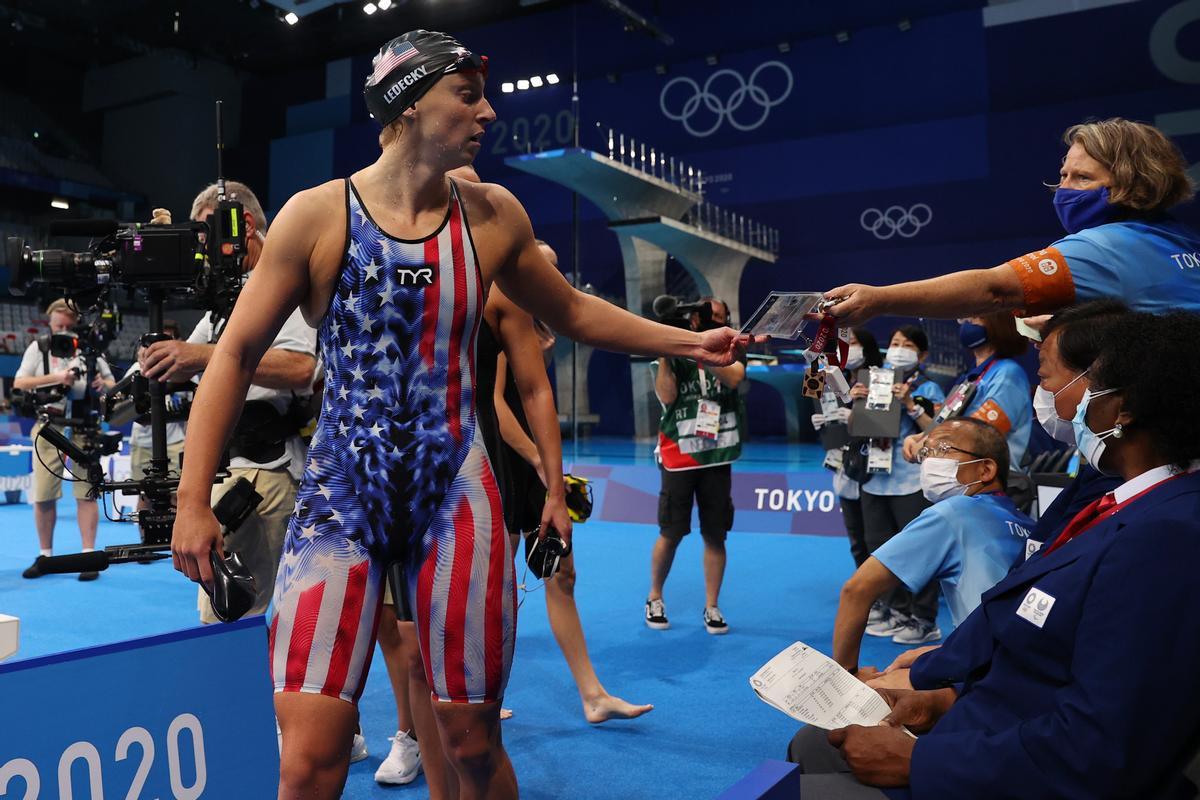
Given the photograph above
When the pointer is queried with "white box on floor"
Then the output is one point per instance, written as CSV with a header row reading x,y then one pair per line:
x,y
10,634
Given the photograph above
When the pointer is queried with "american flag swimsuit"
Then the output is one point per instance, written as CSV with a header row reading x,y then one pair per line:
x,y
396,472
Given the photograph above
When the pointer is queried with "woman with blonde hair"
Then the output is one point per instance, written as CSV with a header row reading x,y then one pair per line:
x,y
1118,180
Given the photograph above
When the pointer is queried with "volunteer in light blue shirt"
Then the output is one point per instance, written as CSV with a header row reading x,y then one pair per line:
x,y
1117,183
967,540
996,390
891,499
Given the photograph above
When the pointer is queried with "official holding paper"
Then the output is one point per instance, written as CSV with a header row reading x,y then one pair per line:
x,y
1081,661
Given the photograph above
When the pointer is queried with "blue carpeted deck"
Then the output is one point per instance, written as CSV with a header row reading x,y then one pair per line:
x,y
707,730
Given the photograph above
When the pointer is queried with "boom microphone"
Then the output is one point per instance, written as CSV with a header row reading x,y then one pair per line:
x,y
92,228
95,561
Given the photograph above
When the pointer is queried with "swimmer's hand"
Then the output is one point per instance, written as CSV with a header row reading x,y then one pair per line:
x,y
196,532
720,347
854,304
555,516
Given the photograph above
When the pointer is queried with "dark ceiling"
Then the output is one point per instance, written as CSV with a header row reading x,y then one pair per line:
x,y
247,34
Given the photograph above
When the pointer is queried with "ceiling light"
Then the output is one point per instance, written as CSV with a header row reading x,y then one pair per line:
x,y
784,47
290,18
904,24
384,5
60,203
842,37
507,87
660,69
536,81
711,60
551,79
369,9
522,84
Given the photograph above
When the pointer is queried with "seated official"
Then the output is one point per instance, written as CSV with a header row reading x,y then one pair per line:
x,y
1071,342
1081,662
968,539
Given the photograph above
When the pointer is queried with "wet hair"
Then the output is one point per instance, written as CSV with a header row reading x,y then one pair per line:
x,y
986,442
1002,334
1081,330
1153,363
915,334
870,346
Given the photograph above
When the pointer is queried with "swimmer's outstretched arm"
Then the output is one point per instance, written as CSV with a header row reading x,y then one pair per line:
x,y
534,284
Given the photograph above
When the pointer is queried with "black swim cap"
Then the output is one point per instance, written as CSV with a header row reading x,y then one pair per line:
x,y
408,66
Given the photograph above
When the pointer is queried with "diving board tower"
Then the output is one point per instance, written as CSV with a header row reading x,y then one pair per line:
x,y
656,208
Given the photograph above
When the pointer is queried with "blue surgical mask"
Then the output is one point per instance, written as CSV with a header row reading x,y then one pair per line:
x,y
1079,209
1091,445
971,335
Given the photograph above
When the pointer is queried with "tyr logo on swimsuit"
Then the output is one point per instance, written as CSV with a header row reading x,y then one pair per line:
x,y
421,276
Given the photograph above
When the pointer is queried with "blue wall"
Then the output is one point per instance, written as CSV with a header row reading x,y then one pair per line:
x,y
957,113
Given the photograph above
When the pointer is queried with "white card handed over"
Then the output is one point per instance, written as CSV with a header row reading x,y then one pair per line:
x,y
783,315
812,688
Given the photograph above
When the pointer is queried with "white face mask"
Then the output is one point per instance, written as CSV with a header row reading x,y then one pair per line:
x,y
939,478
1043,406
901,357
854,356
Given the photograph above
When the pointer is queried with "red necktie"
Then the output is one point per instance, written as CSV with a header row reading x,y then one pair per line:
x,y
1087,517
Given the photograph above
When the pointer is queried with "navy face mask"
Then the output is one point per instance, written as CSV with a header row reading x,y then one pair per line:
x,y
1078,209
971,335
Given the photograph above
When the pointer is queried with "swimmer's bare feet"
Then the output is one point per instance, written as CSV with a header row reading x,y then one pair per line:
x,y
606,707
505,713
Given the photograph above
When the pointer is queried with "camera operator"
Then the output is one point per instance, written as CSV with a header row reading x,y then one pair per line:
x,y
265,448
40,369
699,436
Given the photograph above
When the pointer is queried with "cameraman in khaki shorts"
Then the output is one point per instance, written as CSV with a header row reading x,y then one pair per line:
x,y
285,374
38,370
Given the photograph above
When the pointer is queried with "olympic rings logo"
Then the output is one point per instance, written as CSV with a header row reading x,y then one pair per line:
x,y
896,220
706,102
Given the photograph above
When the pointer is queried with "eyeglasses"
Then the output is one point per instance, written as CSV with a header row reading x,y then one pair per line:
x,y
941,450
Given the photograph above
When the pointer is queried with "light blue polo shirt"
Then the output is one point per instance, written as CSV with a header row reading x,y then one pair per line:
x,y
1004,400
967,543
1152,265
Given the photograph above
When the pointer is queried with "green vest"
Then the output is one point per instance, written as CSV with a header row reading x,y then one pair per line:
x,y
679,447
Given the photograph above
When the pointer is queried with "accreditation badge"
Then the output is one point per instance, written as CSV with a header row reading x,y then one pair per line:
x,y
708,419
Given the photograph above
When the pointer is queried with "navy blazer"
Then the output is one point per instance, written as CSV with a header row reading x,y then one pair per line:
x,y
1100,701
950,663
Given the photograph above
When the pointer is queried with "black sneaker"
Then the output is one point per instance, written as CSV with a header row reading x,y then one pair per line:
x,y
90,575
714,623
656,615
35,569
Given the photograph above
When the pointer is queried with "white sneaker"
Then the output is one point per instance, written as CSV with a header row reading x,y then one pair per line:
x,y
889,626
878,613
358,748
918,631
402,764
